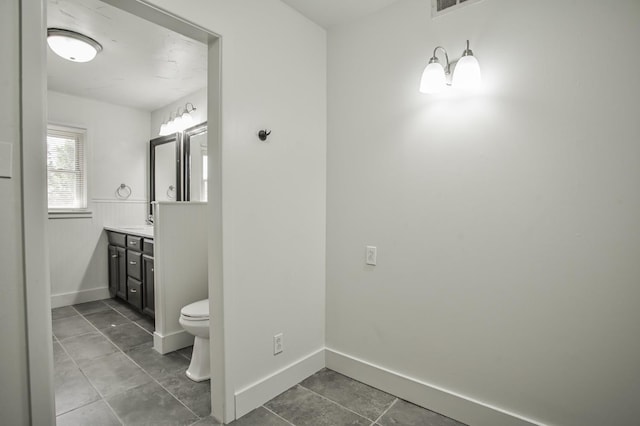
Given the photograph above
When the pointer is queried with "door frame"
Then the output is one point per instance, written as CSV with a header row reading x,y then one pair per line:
x,y
33,122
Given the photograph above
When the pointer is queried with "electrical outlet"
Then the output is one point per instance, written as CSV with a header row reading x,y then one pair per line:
x,y
278,343
372,255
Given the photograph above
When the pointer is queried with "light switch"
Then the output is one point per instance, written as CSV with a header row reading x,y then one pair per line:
x,y
6,159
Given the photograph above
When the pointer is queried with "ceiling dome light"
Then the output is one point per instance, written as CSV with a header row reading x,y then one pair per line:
x,y
71,45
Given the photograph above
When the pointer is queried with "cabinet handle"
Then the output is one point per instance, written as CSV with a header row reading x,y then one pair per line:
x,y
151,269
114,255
132,262
133,243
133,290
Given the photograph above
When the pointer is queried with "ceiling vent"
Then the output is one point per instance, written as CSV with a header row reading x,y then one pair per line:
x,y
440,7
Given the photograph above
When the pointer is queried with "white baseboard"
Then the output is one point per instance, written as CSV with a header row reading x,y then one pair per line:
x,y
66,299
171,342
271,386
448,403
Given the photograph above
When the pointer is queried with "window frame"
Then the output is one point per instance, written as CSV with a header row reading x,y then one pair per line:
x,y
459,3
80,133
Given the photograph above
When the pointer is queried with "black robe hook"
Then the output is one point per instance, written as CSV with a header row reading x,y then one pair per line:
x,y
263,134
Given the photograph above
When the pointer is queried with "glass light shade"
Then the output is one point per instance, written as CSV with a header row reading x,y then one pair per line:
x,y
433,78
72,46
163,130
467,73
177,124
171,127
187,120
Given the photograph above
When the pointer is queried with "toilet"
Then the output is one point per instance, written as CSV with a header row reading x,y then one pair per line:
x,y
194,318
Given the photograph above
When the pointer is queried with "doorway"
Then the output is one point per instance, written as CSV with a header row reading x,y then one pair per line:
x,y
34,101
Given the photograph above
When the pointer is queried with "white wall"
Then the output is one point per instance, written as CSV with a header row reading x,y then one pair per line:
x,y
180,269
274,76
118,145
14,398
199,101
507,223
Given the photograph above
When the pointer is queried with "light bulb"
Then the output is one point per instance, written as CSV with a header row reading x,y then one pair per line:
x,y
433,78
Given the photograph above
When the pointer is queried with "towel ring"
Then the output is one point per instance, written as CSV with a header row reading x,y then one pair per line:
x,y
124,191
172,189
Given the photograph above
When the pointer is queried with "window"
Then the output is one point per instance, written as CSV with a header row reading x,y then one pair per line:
x,y
438,7
66,169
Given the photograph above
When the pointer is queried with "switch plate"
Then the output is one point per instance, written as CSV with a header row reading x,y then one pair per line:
x,y
6,160
278,343
372,255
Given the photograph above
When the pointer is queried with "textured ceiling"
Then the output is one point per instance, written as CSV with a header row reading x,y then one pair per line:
x,y
146,66
328,13
142,65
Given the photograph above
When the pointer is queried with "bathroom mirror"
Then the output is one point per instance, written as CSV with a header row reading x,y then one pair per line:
x,y
165,183
195,163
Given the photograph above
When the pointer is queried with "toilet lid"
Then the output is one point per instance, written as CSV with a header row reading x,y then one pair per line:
x,y
199,309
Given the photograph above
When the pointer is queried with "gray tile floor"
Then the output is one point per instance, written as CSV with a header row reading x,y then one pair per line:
x,y
107,374
330,399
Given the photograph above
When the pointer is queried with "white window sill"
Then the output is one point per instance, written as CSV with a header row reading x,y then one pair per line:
x,y
70,214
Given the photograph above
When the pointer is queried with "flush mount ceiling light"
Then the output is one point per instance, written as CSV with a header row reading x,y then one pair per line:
x,y
71,45
179,122
466,73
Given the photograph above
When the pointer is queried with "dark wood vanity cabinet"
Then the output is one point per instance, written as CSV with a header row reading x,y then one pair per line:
x,y
131,270
148,297
117,271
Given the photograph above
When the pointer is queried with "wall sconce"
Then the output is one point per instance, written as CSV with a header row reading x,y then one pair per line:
x,y
466,72
179,122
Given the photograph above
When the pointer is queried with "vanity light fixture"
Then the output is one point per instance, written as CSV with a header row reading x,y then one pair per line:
x,y
466,72
179,122
71,45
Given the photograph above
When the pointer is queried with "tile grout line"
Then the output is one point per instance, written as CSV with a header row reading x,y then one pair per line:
x,y
132,321
101,398
277,415
385,411
128,357
334,402
141,368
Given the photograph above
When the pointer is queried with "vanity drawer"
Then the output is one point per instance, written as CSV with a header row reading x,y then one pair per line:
x,y
147,247
117,239
134,292
134,264
134,243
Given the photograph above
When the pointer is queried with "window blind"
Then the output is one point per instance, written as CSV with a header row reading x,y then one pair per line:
x,y
66,174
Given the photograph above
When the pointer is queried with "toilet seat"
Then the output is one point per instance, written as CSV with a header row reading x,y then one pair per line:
x,y
197,311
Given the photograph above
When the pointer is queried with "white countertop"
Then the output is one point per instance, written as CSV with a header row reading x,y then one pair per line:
x,y
145,231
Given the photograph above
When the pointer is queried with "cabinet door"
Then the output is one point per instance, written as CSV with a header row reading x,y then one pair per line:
x,y
134,266
113,270
121,287
148,291
135,292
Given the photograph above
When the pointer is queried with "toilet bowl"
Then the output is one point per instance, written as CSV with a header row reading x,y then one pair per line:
x,y
194,318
